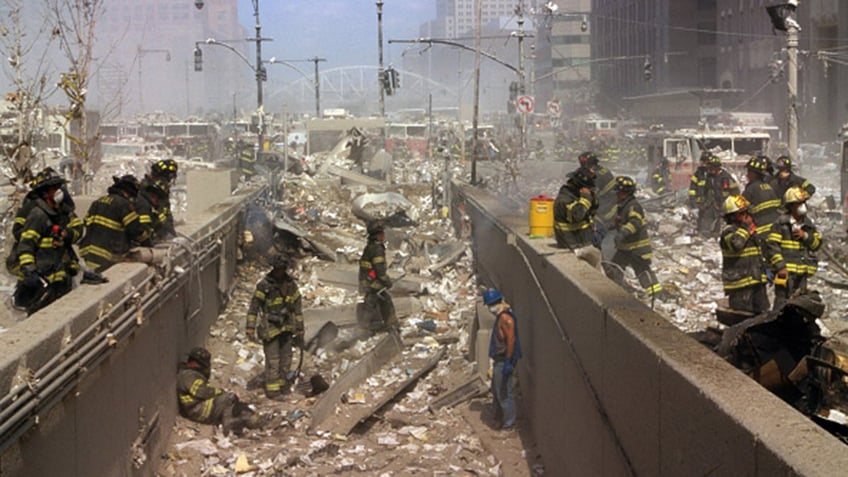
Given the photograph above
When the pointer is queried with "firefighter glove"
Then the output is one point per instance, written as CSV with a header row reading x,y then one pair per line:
x,y
32,279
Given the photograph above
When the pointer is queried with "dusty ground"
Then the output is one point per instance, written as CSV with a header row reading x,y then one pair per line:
x,y
404,438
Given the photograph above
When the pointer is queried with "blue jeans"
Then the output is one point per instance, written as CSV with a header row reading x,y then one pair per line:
x,y
502,392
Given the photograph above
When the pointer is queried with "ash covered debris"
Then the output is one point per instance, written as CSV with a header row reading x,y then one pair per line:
x,y
380,424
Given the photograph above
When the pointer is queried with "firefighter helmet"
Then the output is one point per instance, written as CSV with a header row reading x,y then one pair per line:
x,y
165,168
795,194
784,162
375,226
625,184
47,178
735,203
201,356
713,160
581,177
128,183
491,296
758,164
281,260
588,158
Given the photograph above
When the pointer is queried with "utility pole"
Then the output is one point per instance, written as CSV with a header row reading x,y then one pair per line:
x,y
475,118
315,60
260,77
519,11
380,71
792,113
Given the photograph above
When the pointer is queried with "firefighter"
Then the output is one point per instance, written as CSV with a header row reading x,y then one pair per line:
x,y
113,225
698,182
75,226
743,272
44,258
764,201
574,215
718,186
201,402
786,178
604,183
661,178
374,281
155,193
505,351
276,318
799,241
633,246
246,155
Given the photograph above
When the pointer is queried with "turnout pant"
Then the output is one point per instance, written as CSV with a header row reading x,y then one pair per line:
x,y
278,358
752,299
381,311
641,266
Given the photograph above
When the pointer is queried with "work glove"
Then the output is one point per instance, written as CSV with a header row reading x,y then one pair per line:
x,y
91,277
251,335
507,369
32,279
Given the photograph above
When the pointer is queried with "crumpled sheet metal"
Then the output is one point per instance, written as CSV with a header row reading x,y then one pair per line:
x,y
384,205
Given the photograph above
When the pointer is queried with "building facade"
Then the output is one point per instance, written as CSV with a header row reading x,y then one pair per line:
x,y
148,61
642,48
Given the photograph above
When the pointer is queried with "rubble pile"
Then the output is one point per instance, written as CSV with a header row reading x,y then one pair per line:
x,y
381,425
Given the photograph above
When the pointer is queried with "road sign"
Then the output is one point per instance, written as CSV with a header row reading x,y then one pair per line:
x,y
554,108
525,104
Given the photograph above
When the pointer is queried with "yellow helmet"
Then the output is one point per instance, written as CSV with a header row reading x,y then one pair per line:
x,y
795,194
735,203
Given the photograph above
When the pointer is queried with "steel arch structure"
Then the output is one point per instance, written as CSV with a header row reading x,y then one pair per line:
x,y
357,85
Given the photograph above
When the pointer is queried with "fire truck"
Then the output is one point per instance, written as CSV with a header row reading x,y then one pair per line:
x,y
683,150
409,136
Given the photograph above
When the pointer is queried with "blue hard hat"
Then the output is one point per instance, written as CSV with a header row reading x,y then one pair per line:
x,y
491,296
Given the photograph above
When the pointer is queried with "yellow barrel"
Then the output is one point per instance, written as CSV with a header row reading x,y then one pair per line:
x,y
541,216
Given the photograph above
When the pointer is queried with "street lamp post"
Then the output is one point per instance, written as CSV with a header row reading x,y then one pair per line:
x,y
380,72
259,70
519,11
316,81
140,53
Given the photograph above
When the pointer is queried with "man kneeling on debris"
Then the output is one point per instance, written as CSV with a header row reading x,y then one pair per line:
x,y
374,280
206,404
276,317
505,351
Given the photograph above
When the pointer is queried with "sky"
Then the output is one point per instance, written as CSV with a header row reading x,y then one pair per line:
x,y
342,31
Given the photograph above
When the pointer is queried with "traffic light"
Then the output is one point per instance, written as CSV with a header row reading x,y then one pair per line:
x,y
262,73
198,59
648,69
782,15
395,77
386,81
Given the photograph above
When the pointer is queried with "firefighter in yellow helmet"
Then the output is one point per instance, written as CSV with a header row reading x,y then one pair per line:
x,y
743,273
799,241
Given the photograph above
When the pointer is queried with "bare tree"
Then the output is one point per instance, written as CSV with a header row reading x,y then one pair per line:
x,y
74,23
26,51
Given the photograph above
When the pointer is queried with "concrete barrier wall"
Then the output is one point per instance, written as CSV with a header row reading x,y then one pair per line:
x,y
116,411
611,388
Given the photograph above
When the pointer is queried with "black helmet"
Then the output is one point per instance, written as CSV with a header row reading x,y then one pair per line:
x,y
581,177
712,160
47,178
588,158
281,260
784,162
625,184
128,183
758,164
201,356
375,226
165,168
